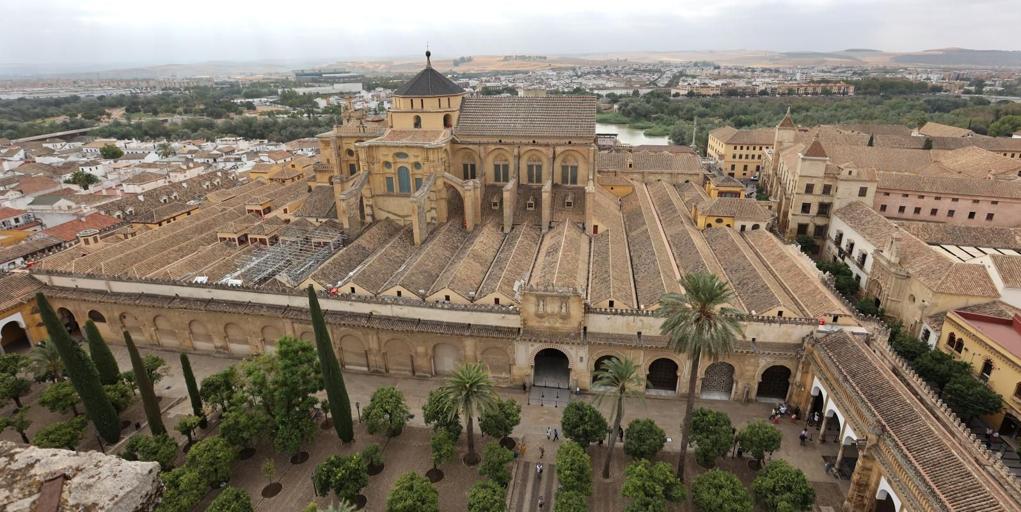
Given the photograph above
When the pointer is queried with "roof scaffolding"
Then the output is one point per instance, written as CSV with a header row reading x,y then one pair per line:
x,y
300,251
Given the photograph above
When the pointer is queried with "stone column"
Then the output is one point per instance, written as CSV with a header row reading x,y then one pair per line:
x,y
822,427
864,482
840,450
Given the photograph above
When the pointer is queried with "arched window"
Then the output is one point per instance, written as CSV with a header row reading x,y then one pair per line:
x,y
1017,391
447,120
97,317
418,121
501,170
403,180
468,168
987,370
569,171
534,170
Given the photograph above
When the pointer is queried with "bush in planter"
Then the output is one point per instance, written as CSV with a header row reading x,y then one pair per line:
x,y
495,462
242,427
187,425
711,435
231,499
487,496
183,488
345,476
582,423
570,501
373,456
439,413
412,493
60,397
443,448
780,487
650,486
643,439
161,448
720,491
387,412
499,421
212,458
62,434
574,468
759,437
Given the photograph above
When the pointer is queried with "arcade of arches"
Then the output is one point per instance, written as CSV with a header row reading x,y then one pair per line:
x,y
378,350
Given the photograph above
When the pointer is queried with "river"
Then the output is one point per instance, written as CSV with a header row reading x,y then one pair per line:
x,y
628,135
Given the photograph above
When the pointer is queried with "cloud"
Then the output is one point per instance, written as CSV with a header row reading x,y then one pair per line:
x,y
101,32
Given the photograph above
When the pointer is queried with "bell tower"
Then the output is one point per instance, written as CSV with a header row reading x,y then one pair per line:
x,y
429,101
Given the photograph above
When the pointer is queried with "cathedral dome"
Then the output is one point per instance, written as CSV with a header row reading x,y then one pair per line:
x,y
429,82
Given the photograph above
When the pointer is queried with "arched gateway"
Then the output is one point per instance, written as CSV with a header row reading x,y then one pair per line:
x,y
551,369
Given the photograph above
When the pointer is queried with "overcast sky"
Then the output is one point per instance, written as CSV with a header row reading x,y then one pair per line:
x,y
104,32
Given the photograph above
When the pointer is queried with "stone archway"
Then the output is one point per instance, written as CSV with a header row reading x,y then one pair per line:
x,y
13,338
774,384
662,375
131,324
399,357
200,337
165,332
270,335
599,364
308,336
446,359
237,339
70,322
97,317
718,381
353,353
498,362
551,369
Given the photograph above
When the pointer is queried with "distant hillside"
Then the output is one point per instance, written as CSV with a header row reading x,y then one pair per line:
x,y
962,57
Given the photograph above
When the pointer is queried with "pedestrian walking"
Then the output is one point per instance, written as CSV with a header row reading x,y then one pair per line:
x,y
803,436
549,433
620,433
542,502
538,470
556,435
542,451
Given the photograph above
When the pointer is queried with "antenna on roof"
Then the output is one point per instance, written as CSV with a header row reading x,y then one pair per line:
x,y
428,56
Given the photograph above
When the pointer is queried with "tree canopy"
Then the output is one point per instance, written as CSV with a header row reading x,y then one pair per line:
x,y
719,491
387,412
583,423
643,438
780,487
412,493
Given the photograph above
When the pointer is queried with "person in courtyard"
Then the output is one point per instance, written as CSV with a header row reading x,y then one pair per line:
x,y
542,451
542,502
803,436
556,435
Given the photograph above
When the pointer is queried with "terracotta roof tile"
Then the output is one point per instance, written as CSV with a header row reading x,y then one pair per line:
x,y
550,116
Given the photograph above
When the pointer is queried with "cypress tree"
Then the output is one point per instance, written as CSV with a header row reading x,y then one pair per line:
x,y
333,380
82,373
149,403
193,389
106,364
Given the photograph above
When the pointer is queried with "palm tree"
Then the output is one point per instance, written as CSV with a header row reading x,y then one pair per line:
x,y
470,391
699,322
165,150
619,377
45,361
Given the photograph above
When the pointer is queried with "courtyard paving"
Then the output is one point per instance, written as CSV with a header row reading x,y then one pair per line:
x,y
411,450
